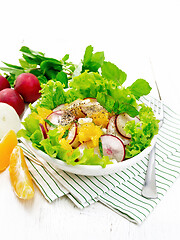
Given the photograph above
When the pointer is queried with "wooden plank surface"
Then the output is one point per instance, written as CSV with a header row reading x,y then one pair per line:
x,y
140,37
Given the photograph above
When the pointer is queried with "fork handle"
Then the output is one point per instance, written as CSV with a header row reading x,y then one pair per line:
x,y
149,188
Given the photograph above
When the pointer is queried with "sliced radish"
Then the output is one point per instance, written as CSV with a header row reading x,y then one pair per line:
x,y
111,129
60,107
113,147
90,99
9,119
43,130
62,117
121,121
72,134
73,107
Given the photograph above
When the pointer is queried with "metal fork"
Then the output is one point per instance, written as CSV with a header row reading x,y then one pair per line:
x,y
149,189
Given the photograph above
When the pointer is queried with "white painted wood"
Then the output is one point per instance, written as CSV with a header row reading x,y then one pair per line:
x,y
132,33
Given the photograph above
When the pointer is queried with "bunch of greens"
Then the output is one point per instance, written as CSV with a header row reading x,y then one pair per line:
x,y
42,67
97,79
45,68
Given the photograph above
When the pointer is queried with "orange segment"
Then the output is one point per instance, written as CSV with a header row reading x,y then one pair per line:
x,y
90,132
100,118
20,177
7,145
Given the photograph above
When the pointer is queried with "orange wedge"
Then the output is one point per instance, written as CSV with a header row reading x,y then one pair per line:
x,y
20,177
7,145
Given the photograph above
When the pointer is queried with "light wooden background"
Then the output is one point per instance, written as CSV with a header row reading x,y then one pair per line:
x,y
142,38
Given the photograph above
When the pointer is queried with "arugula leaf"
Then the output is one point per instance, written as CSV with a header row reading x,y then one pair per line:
x,y
31,56
26,65
111,72
13,66
139,88
11,70
31,52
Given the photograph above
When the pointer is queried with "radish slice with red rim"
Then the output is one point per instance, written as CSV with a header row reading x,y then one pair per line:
x,y
111,129
60,107
62,117
120,123
72,134
113,147
43,130
74,107
89,108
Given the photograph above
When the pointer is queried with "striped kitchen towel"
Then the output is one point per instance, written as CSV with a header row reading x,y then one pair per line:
x,y
120,191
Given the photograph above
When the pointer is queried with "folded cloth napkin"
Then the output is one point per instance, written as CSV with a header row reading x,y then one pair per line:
x,y
120,191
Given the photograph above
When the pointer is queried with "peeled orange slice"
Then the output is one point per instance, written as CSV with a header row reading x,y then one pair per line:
x,y
20,177
7,145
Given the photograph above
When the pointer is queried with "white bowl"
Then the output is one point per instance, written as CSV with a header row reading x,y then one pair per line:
x,y
89,170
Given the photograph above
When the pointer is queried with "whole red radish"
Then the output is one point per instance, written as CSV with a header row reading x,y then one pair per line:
x,y
4,83
28,86
12,98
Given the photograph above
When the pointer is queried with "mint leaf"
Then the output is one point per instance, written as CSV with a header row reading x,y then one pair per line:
x,y
111,72
88,55
127,108
92,62
139,88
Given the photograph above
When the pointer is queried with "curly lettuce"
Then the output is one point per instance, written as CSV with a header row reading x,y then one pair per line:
x,y
141,132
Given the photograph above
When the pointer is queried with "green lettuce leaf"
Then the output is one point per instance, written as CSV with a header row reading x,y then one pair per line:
x,y
111,72
141,132
92,62
139,88
52,95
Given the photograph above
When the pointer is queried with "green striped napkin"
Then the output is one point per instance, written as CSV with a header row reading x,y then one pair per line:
x,y
120,191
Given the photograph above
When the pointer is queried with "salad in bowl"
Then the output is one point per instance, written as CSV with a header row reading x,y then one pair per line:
x,y
93,123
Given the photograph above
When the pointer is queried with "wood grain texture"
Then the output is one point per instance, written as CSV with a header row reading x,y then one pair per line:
x,y
132,33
